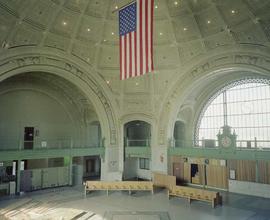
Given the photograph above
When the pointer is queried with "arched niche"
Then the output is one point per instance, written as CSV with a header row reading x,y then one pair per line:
x,y
16,61
179,134
49,105
73,70
137,150
137,133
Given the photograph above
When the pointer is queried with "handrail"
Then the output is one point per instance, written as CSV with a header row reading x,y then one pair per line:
x,y
240,144
137,142
62,143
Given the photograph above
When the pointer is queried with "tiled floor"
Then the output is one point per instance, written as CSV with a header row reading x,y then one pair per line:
x,y
70,203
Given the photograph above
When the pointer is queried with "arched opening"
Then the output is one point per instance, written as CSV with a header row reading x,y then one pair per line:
x,y
238,115
137,133
230,125
42,112
179,134
137,151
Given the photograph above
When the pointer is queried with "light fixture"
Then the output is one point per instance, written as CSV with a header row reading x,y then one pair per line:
x,y
176,3
136,83
233,11
116,7
208,22
112,33
156,6
160,33
185,29
64,23
108,81
88,29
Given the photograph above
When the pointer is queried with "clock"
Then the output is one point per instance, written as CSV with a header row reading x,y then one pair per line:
x,y
226,141
226,138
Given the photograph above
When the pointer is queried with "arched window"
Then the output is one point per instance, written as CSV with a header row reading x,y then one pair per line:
x,y
243,105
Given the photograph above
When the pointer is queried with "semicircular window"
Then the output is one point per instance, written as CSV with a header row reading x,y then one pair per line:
x,y
244,106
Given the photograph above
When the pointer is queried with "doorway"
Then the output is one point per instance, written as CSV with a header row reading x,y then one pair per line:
x,y
178,172
28,137
90,165
91,168
195,174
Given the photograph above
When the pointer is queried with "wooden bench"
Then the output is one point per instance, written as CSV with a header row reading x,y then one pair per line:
x,y
164,180
196,194
119,186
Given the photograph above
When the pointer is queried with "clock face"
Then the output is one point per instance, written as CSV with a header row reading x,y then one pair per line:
x,y
226,141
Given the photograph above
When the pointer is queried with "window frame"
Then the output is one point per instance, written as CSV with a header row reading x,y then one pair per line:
x,y
144,163
215,94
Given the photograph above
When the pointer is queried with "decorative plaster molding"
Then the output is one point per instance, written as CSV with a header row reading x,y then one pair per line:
x,y
57,62
256,63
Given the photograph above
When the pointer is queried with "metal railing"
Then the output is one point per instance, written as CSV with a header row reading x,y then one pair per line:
x,y
137,143
209,143
13,144
253,144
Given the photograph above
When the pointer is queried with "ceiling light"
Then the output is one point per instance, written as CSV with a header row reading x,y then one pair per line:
x,y
208,22
104,40
116,7
112,33
64,23
185,29
136,83
160,33
233,11
108,82
156,6
175,3
88,29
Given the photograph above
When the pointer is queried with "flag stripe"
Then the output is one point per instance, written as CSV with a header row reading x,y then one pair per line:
x,y
130,55
146,36
138,40
127,57
123,56
125,52
149,37
135,50
133,54
151,43
141,39
121,59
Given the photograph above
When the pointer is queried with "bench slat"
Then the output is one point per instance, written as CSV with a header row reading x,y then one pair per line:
x,y
195,194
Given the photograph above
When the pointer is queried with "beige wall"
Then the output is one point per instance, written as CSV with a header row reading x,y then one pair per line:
x,y
27,108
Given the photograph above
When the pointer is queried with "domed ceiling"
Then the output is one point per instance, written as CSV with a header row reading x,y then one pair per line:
x,y
88,29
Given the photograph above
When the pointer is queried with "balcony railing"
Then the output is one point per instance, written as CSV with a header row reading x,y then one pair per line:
x,y
137,143
209,143
13,144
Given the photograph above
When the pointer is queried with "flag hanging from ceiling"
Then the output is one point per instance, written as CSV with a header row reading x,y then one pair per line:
x,y
136,39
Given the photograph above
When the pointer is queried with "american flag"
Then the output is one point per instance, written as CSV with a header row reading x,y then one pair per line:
x,y
136,39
